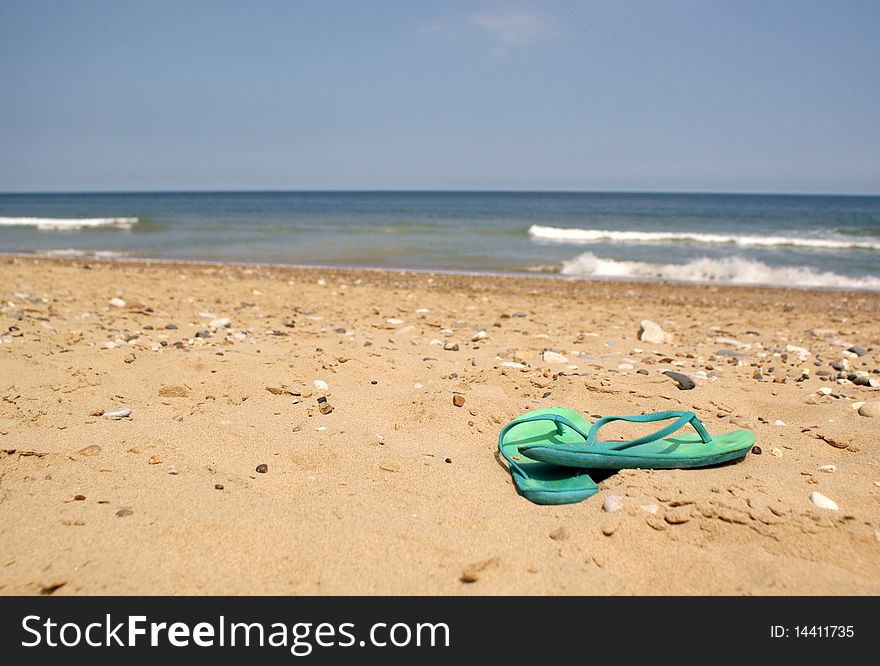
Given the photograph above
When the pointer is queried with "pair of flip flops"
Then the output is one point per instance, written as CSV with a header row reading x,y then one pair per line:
x,y
549,451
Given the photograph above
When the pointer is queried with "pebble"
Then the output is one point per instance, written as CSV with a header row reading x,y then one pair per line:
x,y
858,351
154,460
683,382
553,357
479,335
757,450
221,322
92,450
840,366
325,407
870,409
320,384
778,422
650,508
825,390
560,534
121,413
450,346
828,468
776,451
170,327
511,364
262,468
823,502
651,332
218,486
458,400
394,321
117,302
123,513
172,469
612,503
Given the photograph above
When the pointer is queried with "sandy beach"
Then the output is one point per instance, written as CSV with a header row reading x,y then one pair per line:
x,y
233,475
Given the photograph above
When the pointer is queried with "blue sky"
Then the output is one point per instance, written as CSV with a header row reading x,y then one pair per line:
x,y
684,95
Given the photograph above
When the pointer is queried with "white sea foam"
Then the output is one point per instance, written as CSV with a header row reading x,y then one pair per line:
x,y
731,270
584,236
71,253
68,223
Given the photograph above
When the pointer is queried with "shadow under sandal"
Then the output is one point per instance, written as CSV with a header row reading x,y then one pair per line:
x,y
659,450
538,481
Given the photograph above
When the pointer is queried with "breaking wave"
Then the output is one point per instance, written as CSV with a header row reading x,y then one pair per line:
x,y
69,223
731,270
584,236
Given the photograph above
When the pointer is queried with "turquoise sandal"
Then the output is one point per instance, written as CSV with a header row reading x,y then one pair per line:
x,y
579,448
537,481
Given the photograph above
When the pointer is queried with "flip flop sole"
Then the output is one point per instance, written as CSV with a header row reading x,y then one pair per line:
x,y
547,483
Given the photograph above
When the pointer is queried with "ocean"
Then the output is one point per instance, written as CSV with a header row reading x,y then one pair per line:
x,y
790,240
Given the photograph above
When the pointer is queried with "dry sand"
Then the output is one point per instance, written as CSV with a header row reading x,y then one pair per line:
x,y
398,490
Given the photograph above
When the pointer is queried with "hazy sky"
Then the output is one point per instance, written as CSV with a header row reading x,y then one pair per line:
x,y
585,95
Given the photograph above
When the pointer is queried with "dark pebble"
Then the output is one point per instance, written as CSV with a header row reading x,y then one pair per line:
x,y
262,468
322,399
756,450
683,382
203,334
373,382
170,327
122,513
339,330
642,371
218,486
79,498
449,460
838,365
546,394
858,351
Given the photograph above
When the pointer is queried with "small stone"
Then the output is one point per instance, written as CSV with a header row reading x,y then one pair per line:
x,y
458,400
448,460
858,351
777,422
131,358
220,322
117,302
776,452
823,502
683,382
320,385
757,450
174,391
170,327
154,460
92,450
608,530
612,503
828,468
870,409
172,470
325,407
651,332
825,390
641,371
218,486
79,498
394,321
123,513
389,467
560,534
479,335
450,346
262,468
512,364
840,366
650,508
553,357
116,414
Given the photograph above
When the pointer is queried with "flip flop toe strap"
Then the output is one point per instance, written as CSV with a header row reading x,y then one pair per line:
x,y
556,418
681,419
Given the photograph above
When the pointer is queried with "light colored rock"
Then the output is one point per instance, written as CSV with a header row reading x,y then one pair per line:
x,y
121,413
730,342
776,451
825,390
779,422
857,405
479,335
221,322
800,351
823,502
650,508
870,409
320,384
394,321
828,468
117,302
512,364
553,357
612,503
651,332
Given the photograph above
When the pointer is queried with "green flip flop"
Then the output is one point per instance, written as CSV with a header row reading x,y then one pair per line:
x,y
578,447
537,481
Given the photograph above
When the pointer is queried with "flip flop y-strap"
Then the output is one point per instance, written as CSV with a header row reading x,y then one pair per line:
x,y
681,420
556,418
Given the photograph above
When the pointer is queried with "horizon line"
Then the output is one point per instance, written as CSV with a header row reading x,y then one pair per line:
x,y
433,191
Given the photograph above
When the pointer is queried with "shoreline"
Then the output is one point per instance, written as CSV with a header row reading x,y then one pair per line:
x,y
230,476
503,275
